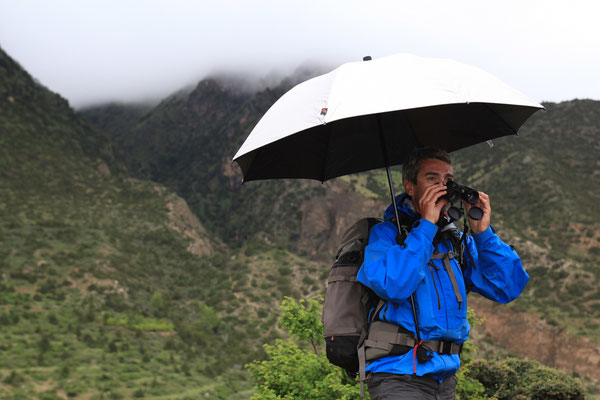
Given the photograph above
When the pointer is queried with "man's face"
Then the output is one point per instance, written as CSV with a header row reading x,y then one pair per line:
x,y
431,172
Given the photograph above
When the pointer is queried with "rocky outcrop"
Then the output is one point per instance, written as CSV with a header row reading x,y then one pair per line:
x,y
531,337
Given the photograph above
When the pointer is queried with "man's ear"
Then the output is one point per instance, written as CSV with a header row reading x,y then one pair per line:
x,y
409,187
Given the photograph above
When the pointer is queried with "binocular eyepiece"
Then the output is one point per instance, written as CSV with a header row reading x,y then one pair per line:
x,y
456,192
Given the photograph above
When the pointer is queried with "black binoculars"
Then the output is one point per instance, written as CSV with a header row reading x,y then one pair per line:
x,y
456,192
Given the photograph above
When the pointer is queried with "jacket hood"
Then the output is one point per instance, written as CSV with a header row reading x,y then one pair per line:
x,y
405,207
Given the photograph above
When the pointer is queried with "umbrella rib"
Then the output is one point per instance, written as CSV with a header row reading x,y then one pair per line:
x,y
412,131
513,130
386,159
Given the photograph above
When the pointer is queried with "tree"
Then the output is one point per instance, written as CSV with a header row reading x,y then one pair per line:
x,y
292,372
302,320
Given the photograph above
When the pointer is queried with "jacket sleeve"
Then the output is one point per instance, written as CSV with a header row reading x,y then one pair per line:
x,y
498,273
394,271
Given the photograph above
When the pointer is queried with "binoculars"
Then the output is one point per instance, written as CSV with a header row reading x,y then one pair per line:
x,y
456,192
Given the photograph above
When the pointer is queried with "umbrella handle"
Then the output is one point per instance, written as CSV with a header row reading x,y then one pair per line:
x,y
386,160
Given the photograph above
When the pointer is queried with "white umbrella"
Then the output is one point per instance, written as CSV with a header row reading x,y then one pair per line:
x,y
366,115
372,114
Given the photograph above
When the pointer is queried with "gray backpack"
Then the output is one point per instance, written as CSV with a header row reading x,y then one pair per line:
x,y
348,302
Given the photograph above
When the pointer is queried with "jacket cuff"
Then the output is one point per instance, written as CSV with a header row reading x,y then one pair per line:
x,y
482,237
426,227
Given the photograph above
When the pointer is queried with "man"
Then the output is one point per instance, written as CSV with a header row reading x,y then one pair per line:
x,y
397,271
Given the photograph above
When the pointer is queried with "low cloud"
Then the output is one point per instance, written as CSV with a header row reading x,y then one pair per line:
x,y
127,51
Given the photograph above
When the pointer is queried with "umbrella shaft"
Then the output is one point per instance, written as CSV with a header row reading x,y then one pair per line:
x,y
391,185
412,300
386,160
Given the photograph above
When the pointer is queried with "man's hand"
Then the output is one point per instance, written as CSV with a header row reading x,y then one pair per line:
x,y
483,203
430,203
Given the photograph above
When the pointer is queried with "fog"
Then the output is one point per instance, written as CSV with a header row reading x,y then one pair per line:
x,y
126,50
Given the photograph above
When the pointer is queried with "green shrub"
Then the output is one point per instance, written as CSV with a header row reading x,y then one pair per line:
x,y
49,395
14,379
294,373
524,379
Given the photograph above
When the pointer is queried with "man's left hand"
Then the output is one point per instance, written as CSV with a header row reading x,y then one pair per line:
x,y
478,226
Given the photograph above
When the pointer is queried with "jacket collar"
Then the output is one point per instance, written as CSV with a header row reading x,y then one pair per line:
x,y
405,208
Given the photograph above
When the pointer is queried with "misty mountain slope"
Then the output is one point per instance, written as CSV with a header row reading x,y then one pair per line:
x,y
117,117
29,107
57,170
542,185
111,286
187,143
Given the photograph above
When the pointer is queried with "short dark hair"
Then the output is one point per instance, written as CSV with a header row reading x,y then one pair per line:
x,y
410,169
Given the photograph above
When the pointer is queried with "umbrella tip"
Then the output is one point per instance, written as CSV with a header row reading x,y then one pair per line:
x,y
367,58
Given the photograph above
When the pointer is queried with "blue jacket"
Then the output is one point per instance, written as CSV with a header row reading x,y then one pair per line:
x,y
394,272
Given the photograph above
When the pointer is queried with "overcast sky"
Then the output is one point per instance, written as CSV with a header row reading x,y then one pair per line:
x,y
98,50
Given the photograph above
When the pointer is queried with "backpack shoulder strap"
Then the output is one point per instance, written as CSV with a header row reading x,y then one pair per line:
x,y
357,236
406,224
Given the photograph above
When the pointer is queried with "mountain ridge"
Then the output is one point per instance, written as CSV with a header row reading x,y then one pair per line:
x,y
118,285
542,188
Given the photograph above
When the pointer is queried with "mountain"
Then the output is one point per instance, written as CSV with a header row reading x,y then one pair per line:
x,y
111,287
187,143
135,264
543,186
548,174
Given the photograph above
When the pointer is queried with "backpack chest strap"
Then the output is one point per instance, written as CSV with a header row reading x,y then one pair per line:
x,y
450,255
446,257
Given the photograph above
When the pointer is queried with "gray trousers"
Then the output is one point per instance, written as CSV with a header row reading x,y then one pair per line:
x,y
392,387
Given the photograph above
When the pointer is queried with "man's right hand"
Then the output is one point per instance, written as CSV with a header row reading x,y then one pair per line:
x,y
430,203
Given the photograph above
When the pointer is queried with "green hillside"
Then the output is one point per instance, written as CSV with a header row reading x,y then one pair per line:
x,y
187,143
544,182
544,185
111,287
135,263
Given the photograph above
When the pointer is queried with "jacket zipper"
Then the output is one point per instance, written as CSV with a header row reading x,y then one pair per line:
x,y
431,264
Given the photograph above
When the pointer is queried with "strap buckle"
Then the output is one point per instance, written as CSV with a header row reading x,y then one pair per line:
x,y
445,347
449,348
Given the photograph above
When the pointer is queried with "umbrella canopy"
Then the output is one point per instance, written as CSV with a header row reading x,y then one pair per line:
x,y
371,114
